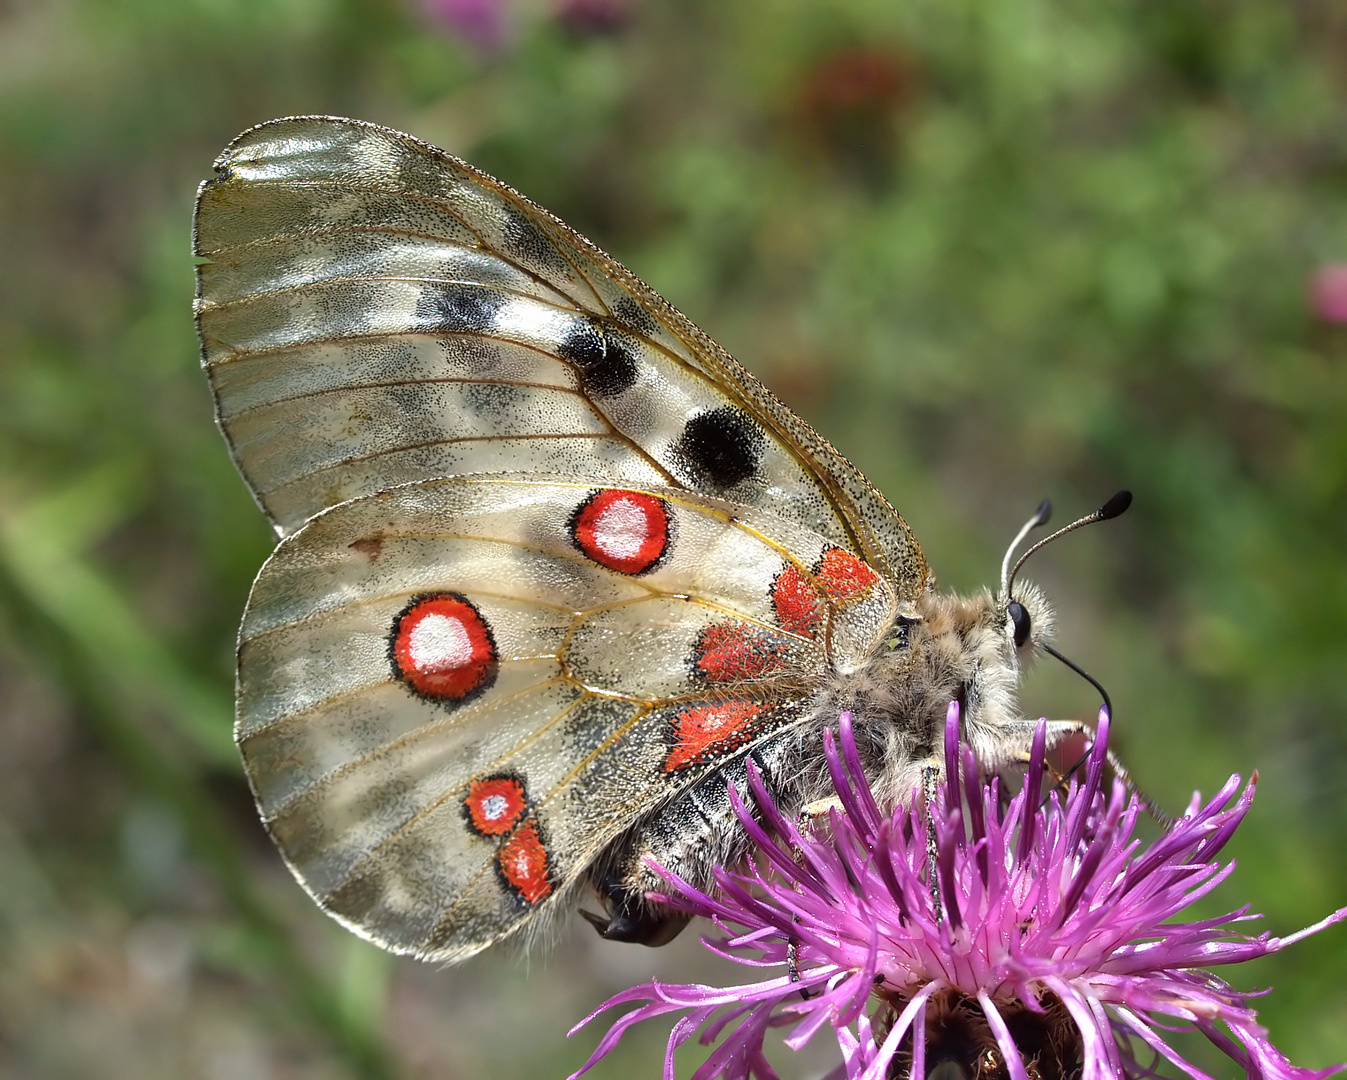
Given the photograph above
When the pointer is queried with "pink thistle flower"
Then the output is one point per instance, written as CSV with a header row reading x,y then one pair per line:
x,y
1045,948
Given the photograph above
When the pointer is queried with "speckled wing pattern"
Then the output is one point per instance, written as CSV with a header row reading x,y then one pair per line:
x,y
548,557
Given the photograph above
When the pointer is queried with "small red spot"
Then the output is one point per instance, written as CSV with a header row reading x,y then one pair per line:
x,y
495,804
796,603
626,531
703,732
522,860
728,651
442,647
843,576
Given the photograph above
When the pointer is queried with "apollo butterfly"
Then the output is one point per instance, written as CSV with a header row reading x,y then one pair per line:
x,y
553,568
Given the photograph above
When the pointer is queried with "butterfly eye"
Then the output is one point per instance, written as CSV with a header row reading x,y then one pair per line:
x,y
898,632
1019,618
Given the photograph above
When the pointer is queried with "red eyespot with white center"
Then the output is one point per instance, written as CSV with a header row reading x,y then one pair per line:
x,y
626,531
702,733
495,804
522,862
442,648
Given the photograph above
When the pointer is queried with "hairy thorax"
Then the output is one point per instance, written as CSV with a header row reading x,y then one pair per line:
x,y
952,648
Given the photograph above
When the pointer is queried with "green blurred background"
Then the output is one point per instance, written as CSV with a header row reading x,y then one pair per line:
x,y
993,249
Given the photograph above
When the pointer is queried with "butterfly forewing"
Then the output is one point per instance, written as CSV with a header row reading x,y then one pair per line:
x,y
374,311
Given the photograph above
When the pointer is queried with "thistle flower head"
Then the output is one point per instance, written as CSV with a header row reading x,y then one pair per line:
x,y
977,937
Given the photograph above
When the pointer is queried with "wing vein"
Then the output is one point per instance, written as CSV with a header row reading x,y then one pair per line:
x,y
347,388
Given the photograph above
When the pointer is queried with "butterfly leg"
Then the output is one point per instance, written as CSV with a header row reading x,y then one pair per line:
x,y
930,777
793,963
1063,729
809,813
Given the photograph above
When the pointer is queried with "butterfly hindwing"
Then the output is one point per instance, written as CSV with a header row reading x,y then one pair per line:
x,y
452,694
374,311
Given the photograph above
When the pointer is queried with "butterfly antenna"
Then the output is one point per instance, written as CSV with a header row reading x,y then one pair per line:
x,y
1040,517
1111,509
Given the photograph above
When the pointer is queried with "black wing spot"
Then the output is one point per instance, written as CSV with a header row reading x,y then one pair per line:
x,y
456,308
607,366
523,240
588,729
720,448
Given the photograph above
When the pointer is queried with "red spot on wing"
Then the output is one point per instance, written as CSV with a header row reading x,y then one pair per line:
x,y
522,861
626,531
442,648
495,804
729,651
843,576
796,602
840,575
702,733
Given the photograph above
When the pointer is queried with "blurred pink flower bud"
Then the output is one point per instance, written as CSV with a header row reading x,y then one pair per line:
x,y
479,22
592,16
1328,292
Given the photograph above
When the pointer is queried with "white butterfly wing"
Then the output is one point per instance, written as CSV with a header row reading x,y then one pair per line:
x,y
374,311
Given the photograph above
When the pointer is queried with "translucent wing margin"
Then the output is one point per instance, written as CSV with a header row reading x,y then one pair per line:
x,y
374,311
454,693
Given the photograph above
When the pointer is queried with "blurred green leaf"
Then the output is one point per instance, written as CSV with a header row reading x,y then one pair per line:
x,y
44,545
